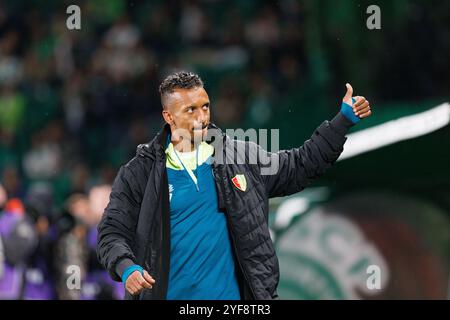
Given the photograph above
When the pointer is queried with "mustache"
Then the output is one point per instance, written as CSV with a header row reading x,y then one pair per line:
x,y
202,127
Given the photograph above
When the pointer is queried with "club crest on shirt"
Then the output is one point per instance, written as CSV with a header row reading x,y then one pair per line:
x,y
240,182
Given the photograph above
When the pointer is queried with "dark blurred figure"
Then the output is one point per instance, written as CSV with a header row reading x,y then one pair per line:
x,y
77,247
71,249
3,197
12,183
103,287
39,281
18,241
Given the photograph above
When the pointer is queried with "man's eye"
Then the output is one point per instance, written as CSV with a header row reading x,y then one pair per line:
x,y
205,107
190,110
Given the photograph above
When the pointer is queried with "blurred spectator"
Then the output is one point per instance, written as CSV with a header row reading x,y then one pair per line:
x,y
44,159
98,199
98,283
63,49
194,26
76,247
121,57
19,240
71,248
3,197
74,104
39,280
12,104
3,200
264,29
12,182
11,66
259,104
227,105
12,101
79,178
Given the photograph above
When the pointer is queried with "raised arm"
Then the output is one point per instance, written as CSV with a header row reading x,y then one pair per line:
x,y
298,167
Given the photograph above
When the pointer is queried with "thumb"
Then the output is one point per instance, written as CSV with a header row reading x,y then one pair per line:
x,y
148,277
348,95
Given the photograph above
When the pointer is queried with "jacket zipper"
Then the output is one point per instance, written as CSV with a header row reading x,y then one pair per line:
x,y
234,241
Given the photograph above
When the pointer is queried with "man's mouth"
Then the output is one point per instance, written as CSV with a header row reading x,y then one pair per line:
x,y
200,128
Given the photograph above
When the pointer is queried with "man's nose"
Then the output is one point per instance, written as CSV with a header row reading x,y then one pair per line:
x,y
201,119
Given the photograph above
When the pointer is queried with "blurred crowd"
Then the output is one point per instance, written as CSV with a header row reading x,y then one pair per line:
x,y
44,255
74,104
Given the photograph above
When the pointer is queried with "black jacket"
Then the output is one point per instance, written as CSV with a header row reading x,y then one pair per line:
x,y
135,228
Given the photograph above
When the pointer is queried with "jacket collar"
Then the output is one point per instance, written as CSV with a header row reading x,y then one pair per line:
x,y
155,149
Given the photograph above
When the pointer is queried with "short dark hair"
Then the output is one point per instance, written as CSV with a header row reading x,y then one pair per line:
x,y
180,80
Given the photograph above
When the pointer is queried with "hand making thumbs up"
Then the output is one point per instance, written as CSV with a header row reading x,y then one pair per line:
x,y
355,108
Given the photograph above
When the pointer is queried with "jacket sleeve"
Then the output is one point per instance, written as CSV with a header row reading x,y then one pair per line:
x,y
116,230
297,168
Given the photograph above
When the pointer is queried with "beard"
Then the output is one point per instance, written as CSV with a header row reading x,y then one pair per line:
x,y
199,134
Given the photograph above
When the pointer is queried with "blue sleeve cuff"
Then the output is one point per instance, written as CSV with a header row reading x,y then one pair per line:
x,y
128,271
347,111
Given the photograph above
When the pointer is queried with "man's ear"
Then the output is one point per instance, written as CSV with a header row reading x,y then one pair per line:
x,y
167,116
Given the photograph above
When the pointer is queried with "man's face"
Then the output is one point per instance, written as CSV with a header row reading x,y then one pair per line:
x,y
187,113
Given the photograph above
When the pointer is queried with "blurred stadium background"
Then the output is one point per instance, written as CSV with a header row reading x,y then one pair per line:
x,y
74,104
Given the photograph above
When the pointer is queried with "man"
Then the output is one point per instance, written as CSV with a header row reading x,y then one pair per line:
x,y
184,222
